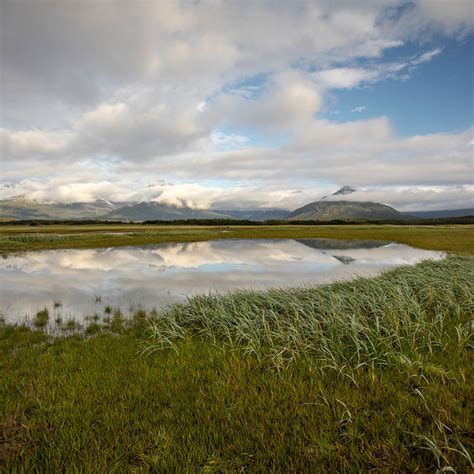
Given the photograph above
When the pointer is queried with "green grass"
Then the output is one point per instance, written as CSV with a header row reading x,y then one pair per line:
x,y
248,386
456,238
41,318
406,313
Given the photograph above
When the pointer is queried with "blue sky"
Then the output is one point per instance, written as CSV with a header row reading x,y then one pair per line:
x,y
437,97
248,104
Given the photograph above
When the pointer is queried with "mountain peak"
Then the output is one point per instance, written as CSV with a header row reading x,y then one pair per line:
x,y
344,190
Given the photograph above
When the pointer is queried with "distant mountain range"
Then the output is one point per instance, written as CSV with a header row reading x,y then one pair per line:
x,y
21,208
441,214
258,214
147,211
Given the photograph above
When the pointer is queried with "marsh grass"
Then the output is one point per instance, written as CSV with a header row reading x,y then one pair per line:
x,y
41,318
71,325
459,238
368,322
92,317
93,328
117,321
141,315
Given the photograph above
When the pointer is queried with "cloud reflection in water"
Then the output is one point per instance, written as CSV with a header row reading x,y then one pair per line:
x,y
155,276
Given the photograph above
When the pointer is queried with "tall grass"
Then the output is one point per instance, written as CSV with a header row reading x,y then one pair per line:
x,y
395,318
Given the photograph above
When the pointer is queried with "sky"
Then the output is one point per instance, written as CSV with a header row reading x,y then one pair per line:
x,y
238,104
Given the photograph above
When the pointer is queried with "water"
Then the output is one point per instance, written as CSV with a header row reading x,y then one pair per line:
x,y
84,282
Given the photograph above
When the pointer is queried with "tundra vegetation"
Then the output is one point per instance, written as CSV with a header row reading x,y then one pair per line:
x,y
371,374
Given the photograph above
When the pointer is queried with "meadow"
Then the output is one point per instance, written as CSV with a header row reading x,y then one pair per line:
x,y
371,374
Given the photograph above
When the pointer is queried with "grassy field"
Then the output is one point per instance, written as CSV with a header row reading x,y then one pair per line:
x,y
457,238
374,374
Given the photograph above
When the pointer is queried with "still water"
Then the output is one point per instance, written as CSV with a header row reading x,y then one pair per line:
x,y
83,282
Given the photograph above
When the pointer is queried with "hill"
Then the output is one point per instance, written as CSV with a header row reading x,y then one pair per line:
x,y
345,210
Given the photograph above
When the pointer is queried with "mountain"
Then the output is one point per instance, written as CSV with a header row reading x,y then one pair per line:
x,y
341,192
344,190
342,244
258,214
20,208
24,209
345,210
149,211
441,214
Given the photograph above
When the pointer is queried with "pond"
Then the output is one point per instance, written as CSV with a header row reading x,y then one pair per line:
x,y
77,283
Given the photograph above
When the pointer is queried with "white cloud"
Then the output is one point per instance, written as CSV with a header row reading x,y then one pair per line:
x,y
350,77
411,198
361,108
33,143
99,97
455,17
344,77
289,100
426,57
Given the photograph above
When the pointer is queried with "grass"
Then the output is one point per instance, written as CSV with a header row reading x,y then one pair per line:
x,y
41,318
373,374
405,314
70,325
456,238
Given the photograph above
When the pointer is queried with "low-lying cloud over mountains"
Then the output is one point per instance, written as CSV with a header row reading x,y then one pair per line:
x,y
403,198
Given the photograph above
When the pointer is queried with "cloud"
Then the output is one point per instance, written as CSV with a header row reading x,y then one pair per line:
x,y
409,198
345,78
361,152
423,17
289,100
361,108
350,77
81,53
100,97
426,57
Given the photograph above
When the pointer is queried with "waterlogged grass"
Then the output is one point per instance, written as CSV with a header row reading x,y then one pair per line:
x,y
458,238
367,375
41,318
